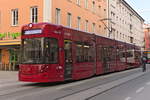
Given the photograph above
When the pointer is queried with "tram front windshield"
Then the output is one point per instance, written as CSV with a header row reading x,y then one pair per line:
x,y
32,51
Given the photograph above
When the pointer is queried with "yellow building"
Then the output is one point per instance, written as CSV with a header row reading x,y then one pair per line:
x,y
84,15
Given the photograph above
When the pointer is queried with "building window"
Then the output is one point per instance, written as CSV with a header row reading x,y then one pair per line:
x,y
86,25
0,17
78,22
58,14
14,17
100,27
130,17
130,27
78,2
99,7
93,27
69,20
131,39
86,4
93,6
34,14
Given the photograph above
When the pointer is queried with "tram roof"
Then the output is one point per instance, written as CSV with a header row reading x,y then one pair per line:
x,y
74,29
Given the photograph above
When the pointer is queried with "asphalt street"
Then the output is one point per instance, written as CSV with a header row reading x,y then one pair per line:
x,y
136,89
127,85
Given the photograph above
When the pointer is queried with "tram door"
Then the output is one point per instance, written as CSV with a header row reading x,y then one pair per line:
x,y
105,59
68,59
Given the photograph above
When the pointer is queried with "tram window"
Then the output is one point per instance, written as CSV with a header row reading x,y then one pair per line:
x,y
84,52
86,49
68,51
79,52
99,53
51,50
106,54
112,53
122,54
88,52
32,51
129,54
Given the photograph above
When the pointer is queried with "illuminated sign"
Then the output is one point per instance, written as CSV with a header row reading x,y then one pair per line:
x,y
37,31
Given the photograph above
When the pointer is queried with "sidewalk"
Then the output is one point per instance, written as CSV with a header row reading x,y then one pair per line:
x,y
13,75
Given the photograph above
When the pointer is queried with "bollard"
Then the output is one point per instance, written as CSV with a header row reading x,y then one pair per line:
x,y
13,66
5,67
9,66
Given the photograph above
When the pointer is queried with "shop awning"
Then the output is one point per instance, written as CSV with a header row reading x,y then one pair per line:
x,y
10,43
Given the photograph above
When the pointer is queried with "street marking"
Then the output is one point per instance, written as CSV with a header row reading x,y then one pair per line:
x,y
140,89
148,83
128,98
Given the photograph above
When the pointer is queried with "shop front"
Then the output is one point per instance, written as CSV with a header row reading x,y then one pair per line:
x,y
9,53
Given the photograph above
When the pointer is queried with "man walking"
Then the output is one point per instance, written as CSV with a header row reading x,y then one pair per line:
x,y
144,61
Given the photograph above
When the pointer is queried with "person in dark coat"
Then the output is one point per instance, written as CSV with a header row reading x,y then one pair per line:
x,y
144,61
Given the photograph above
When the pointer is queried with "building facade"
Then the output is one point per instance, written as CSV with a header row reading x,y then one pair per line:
x,y
126,24
85,15
147,36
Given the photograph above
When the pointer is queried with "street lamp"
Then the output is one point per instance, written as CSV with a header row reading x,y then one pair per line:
x,y
108,28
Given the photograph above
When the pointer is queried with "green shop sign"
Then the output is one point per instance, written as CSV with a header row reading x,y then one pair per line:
x,y
10,35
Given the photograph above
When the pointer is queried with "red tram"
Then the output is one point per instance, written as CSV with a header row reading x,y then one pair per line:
x,y
53,53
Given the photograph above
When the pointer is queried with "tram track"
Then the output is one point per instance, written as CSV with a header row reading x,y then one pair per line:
x,y
134,79
98,86
18,91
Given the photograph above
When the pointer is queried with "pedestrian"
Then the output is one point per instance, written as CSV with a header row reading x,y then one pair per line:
x,y
144,61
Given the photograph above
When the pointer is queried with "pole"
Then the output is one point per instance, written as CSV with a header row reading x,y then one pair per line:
x,y
108,20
